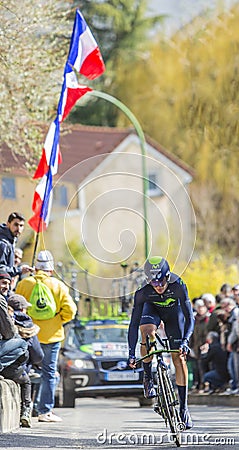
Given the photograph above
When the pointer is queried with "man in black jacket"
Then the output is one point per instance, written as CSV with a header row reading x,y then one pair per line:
x,y
13,352
28,331
212,352
11,347
9,233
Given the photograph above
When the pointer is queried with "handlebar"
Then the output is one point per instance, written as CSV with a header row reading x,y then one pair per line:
x,y
164,342
156,352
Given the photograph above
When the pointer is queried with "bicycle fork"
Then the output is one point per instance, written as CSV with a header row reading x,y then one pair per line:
x,y
162,373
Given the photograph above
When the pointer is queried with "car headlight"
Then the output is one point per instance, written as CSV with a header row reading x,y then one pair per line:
x,y
83,364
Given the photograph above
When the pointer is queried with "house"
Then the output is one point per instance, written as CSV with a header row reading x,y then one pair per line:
x,y
111,195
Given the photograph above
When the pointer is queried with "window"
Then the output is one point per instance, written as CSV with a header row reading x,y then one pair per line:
x,y
153,186
8,188
61,195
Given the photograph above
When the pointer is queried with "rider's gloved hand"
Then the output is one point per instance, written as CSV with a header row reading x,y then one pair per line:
x,y
131,361
184,348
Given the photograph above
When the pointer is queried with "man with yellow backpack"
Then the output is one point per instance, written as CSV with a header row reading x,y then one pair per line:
x,y
52,307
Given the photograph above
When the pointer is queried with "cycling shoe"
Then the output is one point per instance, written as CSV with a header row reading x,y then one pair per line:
x,y
149,391
186,418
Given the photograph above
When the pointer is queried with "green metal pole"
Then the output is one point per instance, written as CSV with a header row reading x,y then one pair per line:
x,y
140,134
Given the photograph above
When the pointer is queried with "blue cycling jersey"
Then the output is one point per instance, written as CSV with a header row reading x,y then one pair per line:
x,y
173,307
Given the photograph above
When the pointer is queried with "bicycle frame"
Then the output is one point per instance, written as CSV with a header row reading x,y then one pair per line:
x,y
167,400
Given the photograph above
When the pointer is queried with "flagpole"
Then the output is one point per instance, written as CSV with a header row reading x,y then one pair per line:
x,y
40,218
140,133
36,244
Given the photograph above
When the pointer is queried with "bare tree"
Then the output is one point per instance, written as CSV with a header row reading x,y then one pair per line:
x,y
34,41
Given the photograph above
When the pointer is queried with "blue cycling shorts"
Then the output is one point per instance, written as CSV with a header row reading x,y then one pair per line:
x,y
173,320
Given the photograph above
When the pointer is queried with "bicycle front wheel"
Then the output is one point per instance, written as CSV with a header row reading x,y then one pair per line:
x,y
168,401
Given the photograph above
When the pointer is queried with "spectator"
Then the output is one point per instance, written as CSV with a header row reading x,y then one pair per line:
x,y
193,301
217,322
18,255
13,353
28,331
232,311
233,346
11,347
235,293
225,290
9,234
51,330
218,298
209,301
212,353
198,338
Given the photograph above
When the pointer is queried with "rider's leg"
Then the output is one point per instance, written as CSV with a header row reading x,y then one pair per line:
x,y
181,378
149,322
181,370
147,329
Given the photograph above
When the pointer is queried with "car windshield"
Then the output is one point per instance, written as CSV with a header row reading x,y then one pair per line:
x,y
88,335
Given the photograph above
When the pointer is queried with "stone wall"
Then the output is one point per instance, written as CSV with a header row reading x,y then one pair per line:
x,y
9,405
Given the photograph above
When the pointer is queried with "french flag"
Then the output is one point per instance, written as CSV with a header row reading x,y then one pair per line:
x,y
51,155
41,205
85,58
71,92
84,54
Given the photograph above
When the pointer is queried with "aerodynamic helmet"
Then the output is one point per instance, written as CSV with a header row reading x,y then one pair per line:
x,y
156,269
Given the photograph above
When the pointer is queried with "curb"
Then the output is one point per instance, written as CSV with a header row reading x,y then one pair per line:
x,y
10,400
214,399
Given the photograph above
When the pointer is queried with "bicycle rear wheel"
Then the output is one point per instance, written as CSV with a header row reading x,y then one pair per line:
x,y
168,400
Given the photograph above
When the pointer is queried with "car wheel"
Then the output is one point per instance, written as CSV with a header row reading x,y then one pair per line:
x,y
145,401
68,399
59,394
57,401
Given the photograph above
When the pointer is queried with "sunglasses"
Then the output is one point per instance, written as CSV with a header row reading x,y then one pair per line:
x,y
159,283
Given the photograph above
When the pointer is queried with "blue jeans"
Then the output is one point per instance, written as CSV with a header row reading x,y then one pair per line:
x,y
10,350
214,379
48,383
232,371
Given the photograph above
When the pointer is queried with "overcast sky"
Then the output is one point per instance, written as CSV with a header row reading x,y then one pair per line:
x,y
182,11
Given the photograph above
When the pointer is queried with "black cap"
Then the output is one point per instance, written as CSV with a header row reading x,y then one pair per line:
x,y
18,302
4,275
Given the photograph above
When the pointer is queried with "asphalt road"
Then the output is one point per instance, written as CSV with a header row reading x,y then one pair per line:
x,y
117,423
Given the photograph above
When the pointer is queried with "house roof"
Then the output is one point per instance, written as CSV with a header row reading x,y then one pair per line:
x,y
11,162
80,143
83,143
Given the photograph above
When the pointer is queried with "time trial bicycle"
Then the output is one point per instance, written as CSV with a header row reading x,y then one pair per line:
x,y
166,398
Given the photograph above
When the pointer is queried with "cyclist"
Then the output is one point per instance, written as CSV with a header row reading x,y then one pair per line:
x,y
165,298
